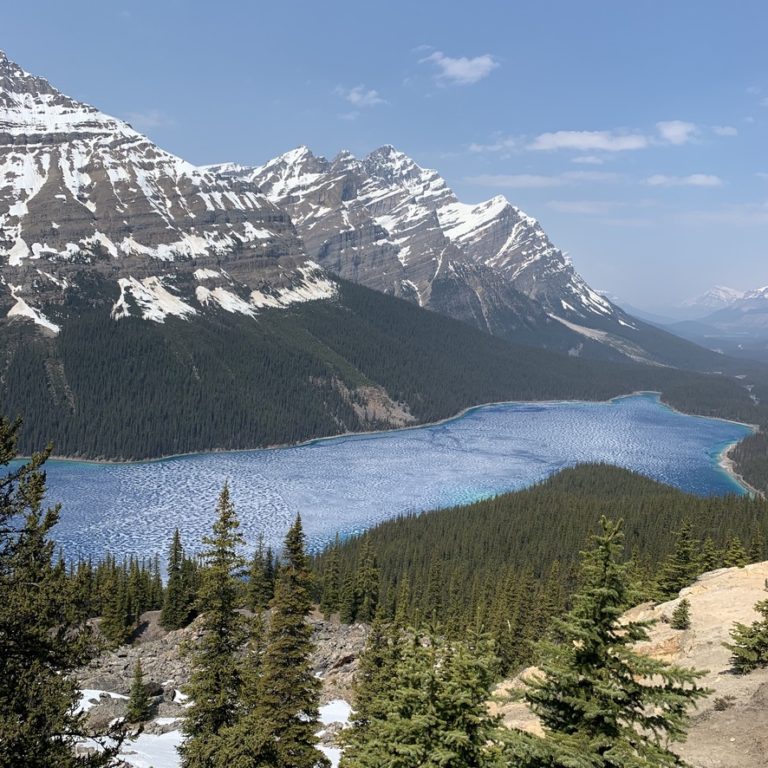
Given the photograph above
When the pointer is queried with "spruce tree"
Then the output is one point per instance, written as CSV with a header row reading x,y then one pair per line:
x,y
176,606
681,616
682,566
260,589
139,704
215,681
289,691
367,586
734,555
330,599
749,642
424,705
43,632
596,697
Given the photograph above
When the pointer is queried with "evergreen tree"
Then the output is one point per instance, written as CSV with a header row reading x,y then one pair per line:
x,y
139,704
249,742
734,556
43,634
367,586
424,708
749,642
710,557
348,599
114,624
215,681
289,691
260,587
331,597
682,566
681,616
756,545
596,697
176,606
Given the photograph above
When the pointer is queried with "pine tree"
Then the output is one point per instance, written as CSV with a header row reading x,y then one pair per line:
x,y
260,589
749,642
423,703
289,691
330,599
115,622
367,586
710,557
595,696
249,742
176,606
215,681
139,704
681,616
682,566
43,632
348,600
756,545
734,556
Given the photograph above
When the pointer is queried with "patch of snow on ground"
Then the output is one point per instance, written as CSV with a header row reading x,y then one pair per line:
x,y
89,697
333,754
336,711
150,751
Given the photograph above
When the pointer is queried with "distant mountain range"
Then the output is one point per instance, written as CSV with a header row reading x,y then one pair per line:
x,y
727,320
150,306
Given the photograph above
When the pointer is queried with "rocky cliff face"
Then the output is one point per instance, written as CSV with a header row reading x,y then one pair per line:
x,y
396,227
83,196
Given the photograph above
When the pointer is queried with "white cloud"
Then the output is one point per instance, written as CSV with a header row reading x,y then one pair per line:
x,y
537,181
150,118
676,132
500,145
360,96
587,141
724,130
694,180
762,175
461,71
588,160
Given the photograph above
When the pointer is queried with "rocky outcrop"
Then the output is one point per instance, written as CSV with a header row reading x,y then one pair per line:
x,y
166,666
730,727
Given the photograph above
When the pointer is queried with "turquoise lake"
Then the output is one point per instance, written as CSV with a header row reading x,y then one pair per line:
x,y
347,484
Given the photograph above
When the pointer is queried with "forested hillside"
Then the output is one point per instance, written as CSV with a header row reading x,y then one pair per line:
x,y
134,389
516,555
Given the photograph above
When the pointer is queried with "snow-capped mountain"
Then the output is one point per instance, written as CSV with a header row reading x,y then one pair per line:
x,y
83,195
715,298
392,225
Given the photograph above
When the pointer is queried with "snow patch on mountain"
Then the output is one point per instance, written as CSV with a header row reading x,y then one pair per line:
x,y
154,300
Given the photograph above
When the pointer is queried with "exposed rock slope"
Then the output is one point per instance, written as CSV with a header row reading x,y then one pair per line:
x,y
730,727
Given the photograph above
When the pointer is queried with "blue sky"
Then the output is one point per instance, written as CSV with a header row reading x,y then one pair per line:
x,y
635,132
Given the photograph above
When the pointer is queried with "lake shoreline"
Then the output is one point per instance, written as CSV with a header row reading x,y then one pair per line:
x,y
724,461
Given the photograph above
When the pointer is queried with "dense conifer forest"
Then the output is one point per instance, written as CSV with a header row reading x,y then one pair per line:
x,y
508,564
136,389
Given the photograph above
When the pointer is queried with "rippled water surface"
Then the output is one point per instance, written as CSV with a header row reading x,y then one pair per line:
x,y
348,484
